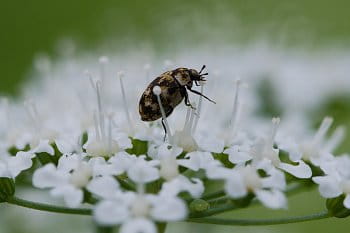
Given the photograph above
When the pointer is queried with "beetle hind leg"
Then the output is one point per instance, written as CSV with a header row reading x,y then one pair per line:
x,y
165,131
187,101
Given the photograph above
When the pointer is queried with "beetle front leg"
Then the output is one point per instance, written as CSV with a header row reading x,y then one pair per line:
x,y
198,93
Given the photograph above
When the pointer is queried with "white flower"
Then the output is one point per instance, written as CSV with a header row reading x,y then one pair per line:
x,y
317,149
136,211
143,171
184,138
70,144
107,146
12,166
199,160
264,155
67,180
43,146
116,165
167,157
242,180
209,142
239,154
105,187
337,180
183,184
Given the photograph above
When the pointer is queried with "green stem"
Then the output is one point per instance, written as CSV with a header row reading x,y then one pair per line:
x,y
291,190
46,207
209,196
104,229
261,222
219,201
222,204
213,211
214,195
161,227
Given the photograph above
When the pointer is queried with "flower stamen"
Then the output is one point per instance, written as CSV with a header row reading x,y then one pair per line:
x,y
157,91
120,75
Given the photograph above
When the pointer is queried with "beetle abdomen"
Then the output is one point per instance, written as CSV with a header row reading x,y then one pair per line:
x,y
172,94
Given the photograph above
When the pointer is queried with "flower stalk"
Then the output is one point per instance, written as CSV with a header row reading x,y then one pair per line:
x,y
261,222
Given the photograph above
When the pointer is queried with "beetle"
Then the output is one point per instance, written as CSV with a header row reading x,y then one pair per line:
x,y
174,85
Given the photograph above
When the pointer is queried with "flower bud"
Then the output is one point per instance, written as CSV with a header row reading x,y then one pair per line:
x,y
199,205
7,188
336,207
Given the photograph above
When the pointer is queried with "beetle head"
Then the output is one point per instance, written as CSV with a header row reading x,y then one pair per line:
x,y
197,76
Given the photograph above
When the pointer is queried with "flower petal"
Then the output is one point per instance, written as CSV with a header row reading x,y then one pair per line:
x,y
235,186
166,208
49,177
143,172
124,141
19,163
65,146
72,196
105,187
211,143
111,213
302,170
237,156
182,183
121,162
276,180
138,225
165,150
273,199
4,171
44,146
347,201
328,186
67,163
198,160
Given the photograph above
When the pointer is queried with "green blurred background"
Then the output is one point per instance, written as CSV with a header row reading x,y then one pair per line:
x,y
29,27
35,26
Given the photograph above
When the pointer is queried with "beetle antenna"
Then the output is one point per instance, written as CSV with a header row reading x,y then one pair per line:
x,y
203,67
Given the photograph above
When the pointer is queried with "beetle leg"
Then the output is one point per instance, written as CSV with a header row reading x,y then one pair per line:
x,y
196,82
198,93
165,132
187,102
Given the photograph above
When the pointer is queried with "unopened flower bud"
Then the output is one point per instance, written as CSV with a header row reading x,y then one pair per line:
x,y
199,205
336,207
7,188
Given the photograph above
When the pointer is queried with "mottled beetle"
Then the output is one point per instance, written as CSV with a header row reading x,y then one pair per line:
x,y
174,85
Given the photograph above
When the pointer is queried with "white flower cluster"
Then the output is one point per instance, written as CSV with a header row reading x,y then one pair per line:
x,y
80,134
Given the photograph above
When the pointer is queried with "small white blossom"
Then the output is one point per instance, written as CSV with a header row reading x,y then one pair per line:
x,y
337,179
12,166
242,180
142,171
136,211
67,180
